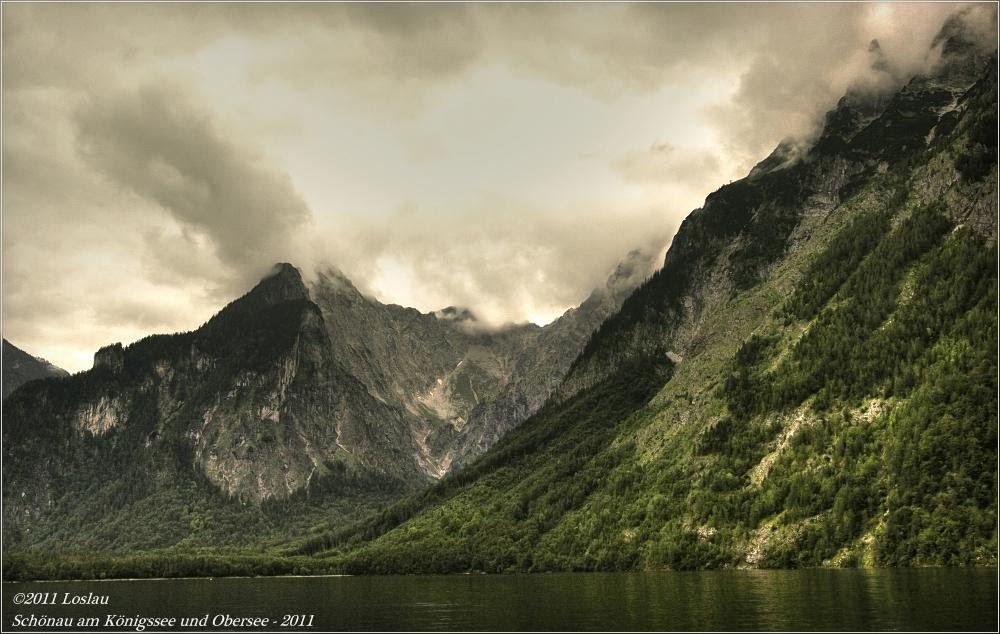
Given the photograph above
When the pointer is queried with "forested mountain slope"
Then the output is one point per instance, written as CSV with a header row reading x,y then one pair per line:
x,y
829,329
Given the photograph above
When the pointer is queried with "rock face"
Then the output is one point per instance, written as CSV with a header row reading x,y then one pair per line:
x,y
460,387
19,367
253,396
291,390
538,367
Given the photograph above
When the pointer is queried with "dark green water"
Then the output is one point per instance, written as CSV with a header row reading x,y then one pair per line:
x,y
922,599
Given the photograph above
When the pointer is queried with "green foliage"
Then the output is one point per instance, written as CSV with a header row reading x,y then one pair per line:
x,y
836,264
928,468
980,155
941,451
202,563
861,343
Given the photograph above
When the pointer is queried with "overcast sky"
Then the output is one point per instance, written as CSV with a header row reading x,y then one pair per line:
x,y
159,158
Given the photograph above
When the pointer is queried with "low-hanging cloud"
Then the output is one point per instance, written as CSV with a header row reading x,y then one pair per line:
x,y
800,73
663,162
515,263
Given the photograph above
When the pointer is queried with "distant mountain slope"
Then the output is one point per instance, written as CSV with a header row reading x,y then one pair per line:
x,y
19,367
814,374
312,398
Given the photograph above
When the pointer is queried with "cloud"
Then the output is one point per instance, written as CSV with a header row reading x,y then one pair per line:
x,y
158,158
811,58
664,163
155,144
127,213
515,263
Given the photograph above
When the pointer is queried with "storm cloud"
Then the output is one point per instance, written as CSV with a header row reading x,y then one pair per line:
x,y
158,158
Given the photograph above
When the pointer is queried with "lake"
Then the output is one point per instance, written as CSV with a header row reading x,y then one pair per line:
x,y
906,599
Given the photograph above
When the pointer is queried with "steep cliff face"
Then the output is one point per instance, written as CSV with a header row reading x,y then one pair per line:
x,y
539,365
19,367
459,385
810,379
430,368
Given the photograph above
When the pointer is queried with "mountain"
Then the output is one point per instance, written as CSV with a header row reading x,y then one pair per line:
x,y
809,380
19,367
461,385
540,366
309,401
200,428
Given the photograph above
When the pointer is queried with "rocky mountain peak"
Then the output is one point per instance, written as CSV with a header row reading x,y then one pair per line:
x,y
879,61
331,283
958,39
965,49
282,284
628,273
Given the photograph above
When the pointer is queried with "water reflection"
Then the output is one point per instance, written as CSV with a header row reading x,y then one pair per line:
x,y
916,599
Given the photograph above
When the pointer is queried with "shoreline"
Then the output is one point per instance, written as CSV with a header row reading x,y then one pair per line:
x,y
5,582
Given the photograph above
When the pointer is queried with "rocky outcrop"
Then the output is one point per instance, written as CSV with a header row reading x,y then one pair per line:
x,y
98,417
111,358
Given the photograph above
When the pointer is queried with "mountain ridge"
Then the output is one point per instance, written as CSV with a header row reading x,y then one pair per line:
x,y
755,209
276,400
832,402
